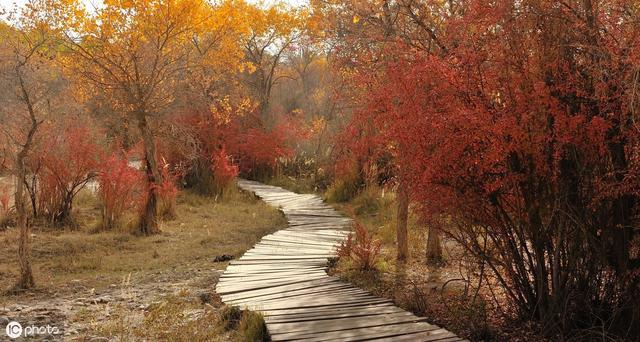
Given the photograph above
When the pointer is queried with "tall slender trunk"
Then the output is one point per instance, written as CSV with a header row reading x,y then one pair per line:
x,y
26,275
434,248
149,217
403,214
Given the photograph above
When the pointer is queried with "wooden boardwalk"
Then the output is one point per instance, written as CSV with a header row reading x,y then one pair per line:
x,y
283,276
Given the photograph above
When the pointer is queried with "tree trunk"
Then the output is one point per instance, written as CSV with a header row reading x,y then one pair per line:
x,y
149,217
63,217
403,214
26,275
434,247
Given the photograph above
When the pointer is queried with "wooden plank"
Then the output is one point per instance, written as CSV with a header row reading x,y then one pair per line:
x,y
232,288
292,305
309,292
439,335
320,283
356,334
328,309
356,312
328,304
347,323
318,262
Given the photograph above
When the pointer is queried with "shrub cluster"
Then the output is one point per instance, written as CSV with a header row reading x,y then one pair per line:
x,y
362,248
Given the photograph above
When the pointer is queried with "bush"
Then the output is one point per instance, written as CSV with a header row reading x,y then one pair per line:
x,y
120,189
230,317
249,324
364,250
68,165
167,195
223,171
253,327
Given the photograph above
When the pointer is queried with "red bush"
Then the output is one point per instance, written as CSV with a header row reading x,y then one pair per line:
x,y
167,193
362,248
120,190
68,164
256,149
220,147
224,172
520,133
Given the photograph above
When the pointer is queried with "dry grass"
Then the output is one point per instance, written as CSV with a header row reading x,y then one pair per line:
x,y
300,186
376,209
203,229
179,318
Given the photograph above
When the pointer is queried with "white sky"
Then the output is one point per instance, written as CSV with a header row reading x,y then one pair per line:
x,y
8,4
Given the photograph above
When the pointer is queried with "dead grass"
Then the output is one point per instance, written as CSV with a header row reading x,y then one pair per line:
x,y
203,229
300,186
178,317
375,208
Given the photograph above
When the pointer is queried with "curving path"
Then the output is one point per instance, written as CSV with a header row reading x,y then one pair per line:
x,y
283,276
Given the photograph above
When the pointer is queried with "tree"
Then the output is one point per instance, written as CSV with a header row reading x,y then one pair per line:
x,y
272,32
27,87
138,51
365,33
219,58
518,133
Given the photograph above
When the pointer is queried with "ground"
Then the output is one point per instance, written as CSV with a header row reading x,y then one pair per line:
x,y
114,284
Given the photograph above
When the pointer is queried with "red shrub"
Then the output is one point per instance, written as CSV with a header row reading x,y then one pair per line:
x,y
201,135
521,135
167,193
364,250
221,146
257,149
224,172
69,163
120,190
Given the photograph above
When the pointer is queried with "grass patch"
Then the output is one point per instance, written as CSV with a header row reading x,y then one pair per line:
x,y
203,229
181,318
343,190
376,209
253,328
300,186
